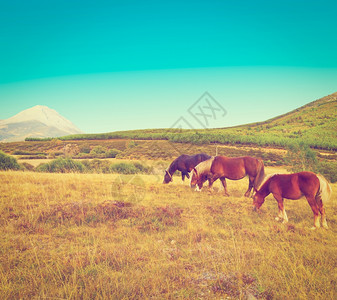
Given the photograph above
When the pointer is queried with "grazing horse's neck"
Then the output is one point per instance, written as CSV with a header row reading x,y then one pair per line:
x,y
264,190
172,168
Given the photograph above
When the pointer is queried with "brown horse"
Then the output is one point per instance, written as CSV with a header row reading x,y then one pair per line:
x,y
184,164
233,168
293,186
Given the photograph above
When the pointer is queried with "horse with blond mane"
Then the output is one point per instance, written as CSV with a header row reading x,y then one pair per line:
x,y
233,168
313,186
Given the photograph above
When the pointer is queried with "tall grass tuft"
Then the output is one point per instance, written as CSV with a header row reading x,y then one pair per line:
x,y
8,162
61,165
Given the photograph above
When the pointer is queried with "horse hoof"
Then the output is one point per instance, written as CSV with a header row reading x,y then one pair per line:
x,y
277,219
313,228
325,226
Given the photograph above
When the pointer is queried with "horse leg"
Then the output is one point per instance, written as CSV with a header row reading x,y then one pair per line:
x,y
322,211
224,184
211,180
250,186
323,216
315,209
281,210
182,176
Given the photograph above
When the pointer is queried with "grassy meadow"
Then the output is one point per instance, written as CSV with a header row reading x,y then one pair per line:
x,y
110,236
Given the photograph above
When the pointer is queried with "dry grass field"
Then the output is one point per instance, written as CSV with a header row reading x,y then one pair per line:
x,y
99,236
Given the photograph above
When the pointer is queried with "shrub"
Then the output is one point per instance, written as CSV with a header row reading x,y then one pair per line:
x,y
62,165
19,152
143,169
8,162
124,168
85,149
97,166
98,150
301,158
112,153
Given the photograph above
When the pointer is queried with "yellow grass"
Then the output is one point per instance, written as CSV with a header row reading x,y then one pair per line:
x,y
80,236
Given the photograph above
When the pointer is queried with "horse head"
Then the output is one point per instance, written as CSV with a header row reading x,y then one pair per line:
x,y
258,200
167,177
194,178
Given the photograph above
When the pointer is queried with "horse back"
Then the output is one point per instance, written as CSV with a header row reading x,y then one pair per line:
x,y
230,167
294,186
309,183
187,162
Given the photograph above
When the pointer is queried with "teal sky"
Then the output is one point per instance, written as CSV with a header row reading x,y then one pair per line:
x,y
114,65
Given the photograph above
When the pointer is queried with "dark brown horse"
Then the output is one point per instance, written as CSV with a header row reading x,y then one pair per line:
x,y
233,168
184,164
293,186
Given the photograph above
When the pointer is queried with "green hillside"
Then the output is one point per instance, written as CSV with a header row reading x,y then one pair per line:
x,y
314,124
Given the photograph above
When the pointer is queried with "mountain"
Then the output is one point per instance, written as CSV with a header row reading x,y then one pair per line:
x,y
38,121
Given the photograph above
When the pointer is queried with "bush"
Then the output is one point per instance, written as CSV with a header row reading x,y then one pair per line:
x,y
124,168
8,162
97,166
85,149
112,153
143,169
62,165
301,158
19,152
98,150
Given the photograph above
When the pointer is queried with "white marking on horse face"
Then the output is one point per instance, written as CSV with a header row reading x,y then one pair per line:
x,y
198,189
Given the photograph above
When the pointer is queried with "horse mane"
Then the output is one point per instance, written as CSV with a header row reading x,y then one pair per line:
x,y
204,166
265,181
172,167
260,174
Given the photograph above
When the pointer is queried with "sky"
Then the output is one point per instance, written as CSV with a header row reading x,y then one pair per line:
x,y
120,65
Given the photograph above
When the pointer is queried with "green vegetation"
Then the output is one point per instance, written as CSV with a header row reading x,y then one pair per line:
x,y
68,165
8,162
61,165
301,158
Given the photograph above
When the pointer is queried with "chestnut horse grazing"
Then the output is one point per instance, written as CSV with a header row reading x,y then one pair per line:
x,y
233,168
293,186
184,164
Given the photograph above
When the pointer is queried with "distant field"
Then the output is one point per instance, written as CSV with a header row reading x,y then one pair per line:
x,y
85,236
141,149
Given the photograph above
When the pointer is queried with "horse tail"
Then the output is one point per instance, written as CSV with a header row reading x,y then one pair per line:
x,y
325,190
260,174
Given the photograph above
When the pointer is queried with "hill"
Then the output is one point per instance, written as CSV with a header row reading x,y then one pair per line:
x,y
313,124
38,121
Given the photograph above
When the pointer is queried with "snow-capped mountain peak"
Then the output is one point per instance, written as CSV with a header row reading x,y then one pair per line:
x,y
38,121
45,115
